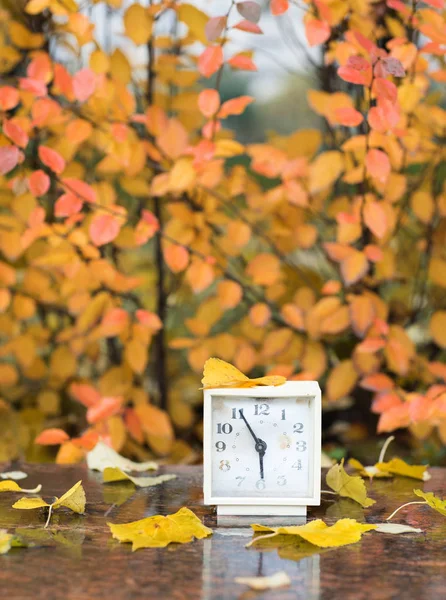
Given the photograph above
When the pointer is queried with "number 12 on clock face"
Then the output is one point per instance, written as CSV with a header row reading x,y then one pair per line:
x,y
262,447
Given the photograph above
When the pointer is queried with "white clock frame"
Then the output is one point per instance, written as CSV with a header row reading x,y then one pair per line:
x,y
266,506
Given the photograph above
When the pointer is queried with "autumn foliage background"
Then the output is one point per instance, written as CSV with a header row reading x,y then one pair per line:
x,y
141,232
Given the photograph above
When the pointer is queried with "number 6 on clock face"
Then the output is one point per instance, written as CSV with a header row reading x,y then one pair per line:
x,y
262,449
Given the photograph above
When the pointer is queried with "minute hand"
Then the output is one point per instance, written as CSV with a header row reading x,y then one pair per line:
x,y
256,439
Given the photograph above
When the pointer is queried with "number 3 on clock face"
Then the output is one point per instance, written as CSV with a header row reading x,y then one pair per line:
x,y
263,445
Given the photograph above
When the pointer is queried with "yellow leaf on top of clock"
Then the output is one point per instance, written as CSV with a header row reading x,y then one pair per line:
x,y
348,486
342,533
218,373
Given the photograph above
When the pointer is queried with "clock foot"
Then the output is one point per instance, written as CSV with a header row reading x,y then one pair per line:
x,y
261,511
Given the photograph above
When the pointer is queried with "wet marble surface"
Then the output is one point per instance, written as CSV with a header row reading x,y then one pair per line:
x,y
77,559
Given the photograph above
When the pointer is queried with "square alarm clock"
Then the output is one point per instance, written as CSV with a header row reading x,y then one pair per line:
x,y
262,449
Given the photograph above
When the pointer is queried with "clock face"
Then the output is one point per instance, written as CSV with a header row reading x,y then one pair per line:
x,y
261,447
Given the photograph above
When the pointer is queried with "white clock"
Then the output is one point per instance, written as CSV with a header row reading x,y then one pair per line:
x,y
262,449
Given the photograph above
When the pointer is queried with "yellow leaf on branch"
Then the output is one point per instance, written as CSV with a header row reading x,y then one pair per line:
x,y
342,533
218,373
348,486
158,531
74,499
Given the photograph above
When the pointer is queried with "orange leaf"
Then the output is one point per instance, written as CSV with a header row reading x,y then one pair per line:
x,y
15,133
104,229
375,218
260,314
236,106
317,32
394,418
362,313
378,164
76,186
9,158
278,7
229,294
9,97
349,117
378,382
87,441
354,267
242,62
84,84
200,275
38,183
51,159
176,257
210,60
67,205
209,102
383,401
52,437
107,407
85,394
149,319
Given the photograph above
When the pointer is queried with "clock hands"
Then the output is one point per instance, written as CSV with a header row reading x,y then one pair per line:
x,y
260,446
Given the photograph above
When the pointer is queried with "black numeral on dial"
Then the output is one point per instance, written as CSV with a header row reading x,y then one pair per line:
x,y
298,428
221,446
261,409
224,428
301,446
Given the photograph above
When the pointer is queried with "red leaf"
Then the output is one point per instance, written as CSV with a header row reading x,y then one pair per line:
x,y
209,102
85,394
84,84
9,97
38,183
378,164
385,400
67,205
317,31
243,62
248,27
15,133
236,106
352,75
393,66
9,158
278,7
349,117
107,407
35,86
52,437
210,60
104,229
249,10
52,159
214,28
149,319
383,88
371,345
367,44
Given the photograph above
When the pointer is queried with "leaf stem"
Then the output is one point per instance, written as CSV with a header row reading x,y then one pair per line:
x,y
329,492
50,510
407,504
36,490
384,448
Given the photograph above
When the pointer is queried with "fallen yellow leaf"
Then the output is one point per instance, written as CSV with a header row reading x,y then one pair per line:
x,y
15,475
279,579
12,486
114,474
349,486
217,373
158,531
5,541
397,466
102,456
343,532
74,499
396,528
434,502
